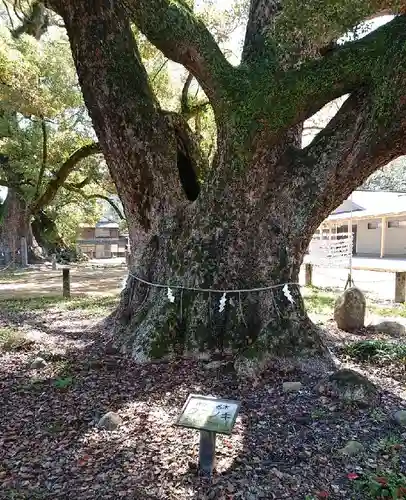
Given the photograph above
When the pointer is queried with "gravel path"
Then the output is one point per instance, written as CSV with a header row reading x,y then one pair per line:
x,y
284,446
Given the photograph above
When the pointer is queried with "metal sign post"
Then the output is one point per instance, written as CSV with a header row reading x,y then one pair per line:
x,y
207,452
210,416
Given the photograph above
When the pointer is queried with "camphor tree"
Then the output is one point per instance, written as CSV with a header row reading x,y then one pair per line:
x,y
46,141
251,221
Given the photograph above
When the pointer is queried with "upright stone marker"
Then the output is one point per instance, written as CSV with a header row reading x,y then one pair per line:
x,y
66,282
210,415
24,252
309,274
53,262
400,287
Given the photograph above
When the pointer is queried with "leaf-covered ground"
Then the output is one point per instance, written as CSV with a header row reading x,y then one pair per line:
x,y
283,445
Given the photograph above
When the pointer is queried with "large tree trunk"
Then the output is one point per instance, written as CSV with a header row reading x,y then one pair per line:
x,y
264,197
227,241
241,233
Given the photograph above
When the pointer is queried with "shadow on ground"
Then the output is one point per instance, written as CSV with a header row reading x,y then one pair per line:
x,y
283,446
26,284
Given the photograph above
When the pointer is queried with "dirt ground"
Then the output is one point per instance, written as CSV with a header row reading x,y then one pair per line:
x,y
103,277
44,282
284,445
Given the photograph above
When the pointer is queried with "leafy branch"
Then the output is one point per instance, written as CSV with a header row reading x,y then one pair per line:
x,y
62,174
174,29
74,188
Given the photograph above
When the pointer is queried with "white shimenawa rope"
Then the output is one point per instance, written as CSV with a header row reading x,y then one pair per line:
x,y
213,290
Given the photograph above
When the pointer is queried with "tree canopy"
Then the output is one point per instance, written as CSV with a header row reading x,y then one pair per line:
x,y
44,126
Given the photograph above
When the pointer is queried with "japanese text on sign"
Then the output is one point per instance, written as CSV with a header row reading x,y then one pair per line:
x,y
211,414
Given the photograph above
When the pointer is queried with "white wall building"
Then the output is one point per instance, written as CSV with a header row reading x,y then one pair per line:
x,y
378,223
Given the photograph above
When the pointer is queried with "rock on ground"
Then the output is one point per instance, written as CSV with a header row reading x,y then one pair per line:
x,y
391,328
38,363
400,417
292,386
350,387
349,310
110,421
352,448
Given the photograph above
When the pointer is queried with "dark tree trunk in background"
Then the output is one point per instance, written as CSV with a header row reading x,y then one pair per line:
x,y
264,197
46,233
15,224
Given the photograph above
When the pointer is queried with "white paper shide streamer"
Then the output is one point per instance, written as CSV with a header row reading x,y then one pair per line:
x,y
287,294
171,296
223,300
222,303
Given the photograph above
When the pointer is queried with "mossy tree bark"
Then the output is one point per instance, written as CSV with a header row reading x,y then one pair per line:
x,y
265,196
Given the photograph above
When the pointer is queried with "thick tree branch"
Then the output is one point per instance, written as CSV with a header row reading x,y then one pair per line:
x,y
285,28
62,174
355,143
79,185
296,95
261,15
173,28
138,141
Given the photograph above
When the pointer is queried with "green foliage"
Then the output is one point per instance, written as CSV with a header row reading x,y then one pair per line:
x,y
40,91
383,484
71,209
319,302
39,83
63,383
392,177
376,351
13,340
37,79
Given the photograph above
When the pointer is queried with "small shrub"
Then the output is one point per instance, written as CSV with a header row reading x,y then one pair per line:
x,y
375,351
386,484
13,340
63,383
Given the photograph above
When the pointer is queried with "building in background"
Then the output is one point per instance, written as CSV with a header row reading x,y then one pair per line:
x,y
378,223
102,240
